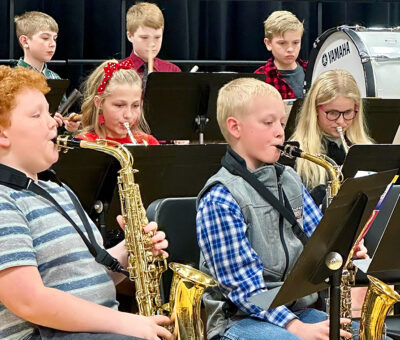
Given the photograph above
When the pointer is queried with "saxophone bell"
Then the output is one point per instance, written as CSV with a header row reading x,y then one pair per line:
x,y
378,301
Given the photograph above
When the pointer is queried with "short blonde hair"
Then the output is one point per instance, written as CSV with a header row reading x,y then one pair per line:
x,y
327,87
12,82
234,99
33,22
90,113
144,14
280,22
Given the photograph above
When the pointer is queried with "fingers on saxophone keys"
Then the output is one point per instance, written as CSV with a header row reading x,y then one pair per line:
x,y
121,222
344,321
160,243
151,227
345,334
158,237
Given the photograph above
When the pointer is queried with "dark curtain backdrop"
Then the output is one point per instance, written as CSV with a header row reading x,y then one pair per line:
x,y
195,29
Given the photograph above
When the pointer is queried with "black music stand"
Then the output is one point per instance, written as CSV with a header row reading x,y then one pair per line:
x,y
291,123
164,171
374,235
383,266
183,105
170,171
329,246
92,175
371,157
58,87
382,117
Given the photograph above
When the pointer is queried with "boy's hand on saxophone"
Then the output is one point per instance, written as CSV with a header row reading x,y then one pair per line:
x,y
158,237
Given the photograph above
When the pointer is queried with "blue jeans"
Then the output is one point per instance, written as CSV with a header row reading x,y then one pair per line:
x,y
250,329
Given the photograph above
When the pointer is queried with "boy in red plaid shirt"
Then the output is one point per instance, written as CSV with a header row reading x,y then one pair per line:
x,y
284,70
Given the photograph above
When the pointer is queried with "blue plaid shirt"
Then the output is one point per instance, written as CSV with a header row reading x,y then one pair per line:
x,y
221,233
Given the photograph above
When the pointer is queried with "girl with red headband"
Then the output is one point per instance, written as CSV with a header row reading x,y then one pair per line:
x,y
112,105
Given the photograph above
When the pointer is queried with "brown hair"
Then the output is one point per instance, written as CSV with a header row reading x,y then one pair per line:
x,y
144,14
280,22
12,82
32,22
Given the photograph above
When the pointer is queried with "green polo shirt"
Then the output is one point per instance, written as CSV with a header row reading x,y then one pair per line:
x,y
49,74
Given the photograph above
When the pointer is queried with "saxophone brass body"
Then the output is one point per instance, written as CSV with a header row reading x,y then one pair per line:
x,y
144,268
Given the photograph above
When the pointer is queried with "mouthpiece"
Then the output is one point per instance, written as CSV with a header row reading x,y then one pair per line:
x,y
343,139
65,143
289,150
130,134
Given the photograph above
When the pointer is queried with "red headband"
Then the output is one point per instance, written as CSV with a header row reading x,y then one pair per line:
x,y
109,69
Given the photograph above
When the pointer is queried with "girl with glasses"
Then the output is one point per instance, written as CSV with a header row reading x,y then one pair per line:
x,y
333,101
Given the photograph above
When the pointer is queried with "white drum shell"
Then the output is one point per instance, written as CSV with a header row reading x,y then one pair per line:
x,y
372,57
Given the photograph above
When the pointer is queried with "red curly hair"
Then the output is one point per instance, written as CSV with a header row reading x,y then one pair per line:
x,y
12,82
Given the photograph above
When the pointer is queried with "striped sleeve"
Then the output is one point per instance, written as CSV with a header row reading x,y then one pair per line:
x,y
16,245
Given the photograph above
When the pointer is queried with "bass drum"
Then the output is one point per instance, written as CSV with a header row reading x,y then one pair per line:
x,y
371,55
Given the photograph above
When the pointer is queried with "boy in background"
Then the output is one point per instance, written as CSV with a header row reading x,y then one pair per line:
x,y
37,34
284,70
145,27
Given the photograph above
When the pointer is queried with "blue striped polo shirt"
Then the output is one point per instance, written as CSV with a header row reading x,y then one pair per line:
x,y
34,233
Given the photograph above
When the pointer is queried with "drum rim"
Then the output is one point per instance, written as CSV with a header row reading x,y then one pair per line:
x,y
351,31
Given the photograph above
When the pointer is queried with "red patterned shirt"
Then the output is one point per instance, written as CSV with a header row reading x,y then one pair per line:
x,y
140,138
275,78
159,65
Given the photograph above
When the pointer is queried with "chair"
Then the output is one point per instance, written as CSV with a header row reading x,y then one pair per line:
x,y
177,218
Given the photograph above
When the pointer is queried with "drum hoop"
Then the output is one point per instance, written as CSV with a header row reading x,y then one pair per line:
x,y
366,63
362,51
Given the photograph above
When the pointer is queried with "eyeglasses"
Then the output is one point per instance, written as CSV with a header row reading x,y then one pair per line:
x,y
333,115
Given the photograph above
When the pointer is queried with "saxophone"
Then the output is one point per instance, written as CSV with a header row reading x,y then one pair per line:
x,y
333,170
334,183
380,297
144,268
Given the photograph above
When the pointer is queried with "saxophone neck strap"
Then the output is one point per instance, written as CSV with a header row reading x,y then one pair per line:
x,y
19,181
236,165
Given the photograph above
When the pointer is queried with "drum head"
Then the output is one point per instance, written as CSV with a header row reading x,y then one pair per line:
x,y
371,56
